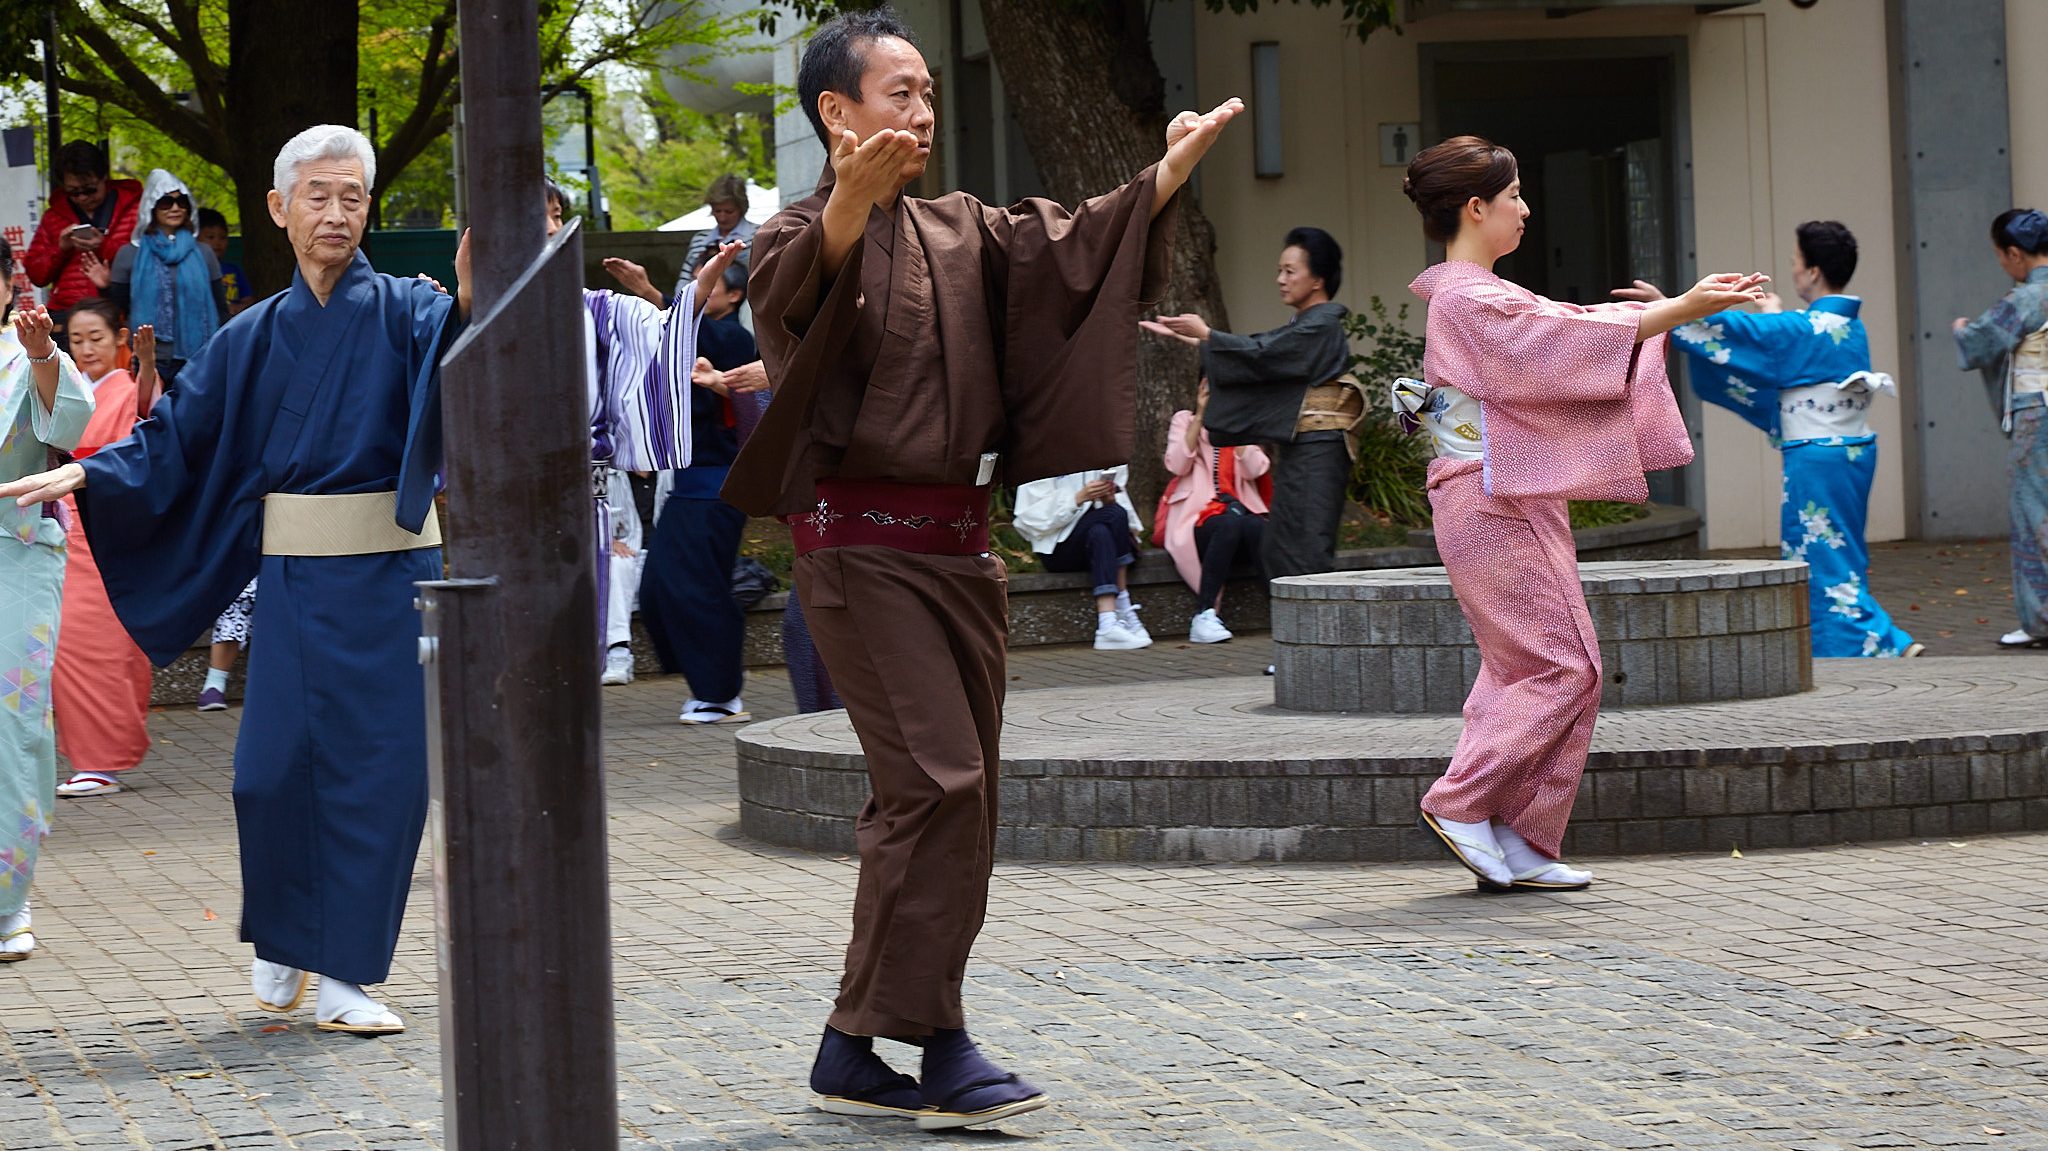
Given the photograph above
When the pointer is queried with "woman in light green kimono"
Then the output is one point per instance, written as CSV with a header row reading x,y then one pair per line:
x,y
44,404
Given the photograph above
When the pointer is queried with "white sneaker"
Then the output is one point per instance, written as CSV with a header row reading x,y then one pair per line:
x,y
275,986
1207,628
16,942
2018,637
697,711
618,667
1129,618
344,1007
1117,637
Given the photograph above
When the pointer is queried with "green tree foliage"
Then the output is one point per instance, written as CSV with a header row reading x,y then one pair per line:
x,y
1388,477
149,76
656,157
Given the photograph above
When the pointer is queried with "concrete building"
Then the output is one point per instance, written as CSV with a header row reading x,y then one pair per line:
x,y
1658,139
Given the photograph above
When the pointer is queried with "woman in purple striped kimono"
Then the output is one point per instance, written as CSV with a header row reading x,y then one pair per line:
x,y
1539,403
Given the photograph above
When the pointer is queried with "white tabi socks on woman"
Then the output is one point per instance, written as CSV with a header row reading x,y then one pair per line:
x,y
344,1007
16,941
1475,844
1531,867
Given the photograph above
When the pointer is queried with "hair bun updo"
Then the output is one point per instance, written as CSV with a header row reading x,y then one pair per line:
x,y
1443,178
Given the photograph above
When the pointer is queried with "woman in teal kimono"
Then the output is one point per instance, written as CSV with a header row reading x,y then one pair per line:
x,y
44,404
2009,345
1804,379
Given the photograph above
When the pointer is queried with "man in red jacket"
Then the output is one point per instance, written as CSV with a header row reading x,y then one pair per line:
x,y
90,218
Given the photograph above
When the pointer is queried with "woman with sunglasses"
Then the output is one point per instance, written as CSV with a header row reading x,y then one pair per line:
x,y
165,277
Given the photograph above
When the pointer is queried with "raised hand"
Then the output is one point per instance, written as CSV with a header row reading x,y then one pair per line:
x,y
713,268
633,278
463,283
1643,292
1724,290
1187,327
32,326
709,378
95,269
871,171
145,370
1189,138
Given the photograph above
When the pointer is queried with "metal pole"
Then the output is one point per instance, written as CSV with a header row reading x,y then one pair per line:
x,y
518,800
52,111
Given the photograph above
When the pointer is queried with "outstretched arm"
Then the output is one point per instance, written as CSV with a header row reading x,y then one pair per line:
x,y
1188,138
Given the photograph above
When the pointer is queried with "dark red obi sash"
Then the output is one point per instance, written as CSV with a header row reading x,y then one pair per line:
x,y
934,519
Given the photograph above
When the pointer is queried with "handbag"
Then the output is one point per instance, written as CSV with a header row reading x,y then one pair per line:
x,y
752,582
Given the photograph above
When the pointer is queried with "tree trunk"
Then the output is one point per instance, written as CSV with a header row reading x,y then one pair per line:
x,y
1096,118
290,66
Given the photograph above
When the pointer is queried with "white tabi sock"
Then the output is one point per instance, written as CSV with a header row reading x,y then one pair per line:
x,y
1104,620
217,679
1527,862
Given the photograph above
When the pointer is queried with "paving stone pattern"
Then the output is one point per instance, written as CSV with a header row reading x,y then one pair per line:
x,y
1671,631
1859,996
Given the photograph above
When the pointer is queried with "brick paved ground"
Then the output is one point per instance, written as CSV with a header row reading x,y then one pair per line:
x,y
1850,997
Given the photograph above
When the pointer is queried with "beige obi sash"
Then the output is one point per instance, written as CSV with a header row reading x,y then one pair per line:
x,y
357,524
2030,364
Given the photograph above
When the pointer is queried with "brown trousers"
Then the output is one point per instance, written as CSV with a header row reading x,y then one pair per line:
x,y
916,646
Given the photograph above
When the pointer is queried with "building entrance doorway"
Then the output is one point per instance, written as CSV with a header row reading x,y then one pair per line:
x,y
1596,129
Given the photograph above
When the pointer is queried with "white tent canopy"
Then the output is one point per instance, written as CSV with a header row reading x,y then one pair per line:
x,y
761,204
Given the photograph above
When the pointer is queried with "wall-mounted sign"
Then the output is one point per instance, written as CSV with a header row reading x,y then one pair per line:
x,y
1399,143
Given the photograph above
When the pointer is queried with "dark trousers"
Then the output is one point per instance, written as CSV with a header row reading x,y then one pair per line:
x,y
1310,479
1100,545
915,644
1219,540
686,595
807,675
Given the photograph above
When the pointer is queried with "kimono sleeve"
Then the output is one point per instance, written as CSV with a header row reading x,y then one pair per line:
x,y
803,325
62,424
1309,351
172,519
648,354
1073,285
1520,348
1984,342
1736,360
434,323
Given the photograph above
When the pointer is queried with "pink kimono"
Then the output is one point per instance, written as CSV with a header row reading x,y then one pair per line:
x,y
1571,407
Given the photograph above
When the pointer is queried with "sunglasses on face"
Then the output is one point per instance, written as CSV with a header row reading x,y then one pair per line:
x,y
81,191
169,202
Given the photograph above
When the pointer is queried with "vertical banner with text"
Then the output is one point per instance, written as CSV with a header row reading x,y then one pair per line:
x,y
21,199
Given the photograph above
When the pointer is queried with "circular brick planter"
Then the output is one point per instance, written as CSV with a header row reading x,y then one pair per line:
x,y
1210,770
1671,631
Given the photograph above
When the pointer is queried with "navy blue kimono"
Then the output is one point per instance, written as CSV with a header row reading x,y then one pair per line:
x,y
330,767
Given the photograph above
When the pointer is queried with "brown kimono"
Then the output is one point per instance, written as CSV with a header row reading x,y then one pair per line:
x,y
955,329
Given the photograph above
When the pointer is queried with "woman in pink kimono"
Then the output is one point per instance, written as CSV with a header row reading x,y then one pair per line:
x,y
1532,403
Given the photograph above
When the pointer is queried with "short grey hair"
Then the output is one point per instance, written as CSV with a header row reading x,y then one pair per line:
x,y
322,142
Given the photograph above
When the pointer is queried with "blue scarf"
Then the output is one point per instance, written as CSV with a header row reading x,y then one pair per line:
x,y
170,290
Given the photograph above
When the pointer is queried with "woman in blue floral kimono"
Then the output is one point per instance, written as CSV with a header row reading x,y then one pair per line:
x,y
44,404
1804,378
2009,345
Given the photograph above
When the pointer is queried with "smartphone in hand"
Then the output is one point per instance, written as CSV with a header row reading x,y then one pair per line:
x,y
85,235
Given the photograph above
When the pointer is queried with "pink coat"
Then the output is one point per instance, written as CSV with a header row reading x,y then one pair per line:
x,y
1570,405
1194,489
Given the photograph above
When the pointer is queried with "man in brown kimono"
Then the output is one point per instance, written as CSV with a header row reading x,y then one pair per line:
x,y
920,351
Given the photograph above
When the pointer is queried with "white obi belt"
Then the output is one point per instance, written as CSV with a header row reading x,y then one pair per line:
x,y
1449,416
1826,411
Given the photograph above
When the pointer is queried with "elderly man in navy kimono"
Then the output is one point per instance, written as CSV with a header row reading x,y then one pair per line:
x,y
303,442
